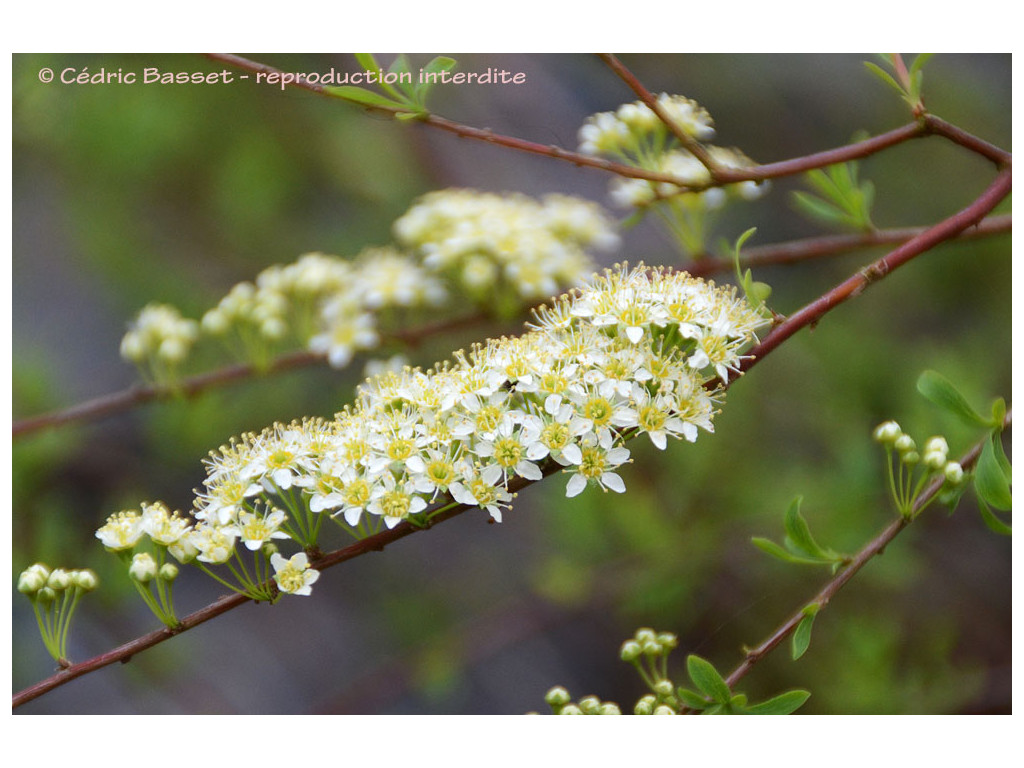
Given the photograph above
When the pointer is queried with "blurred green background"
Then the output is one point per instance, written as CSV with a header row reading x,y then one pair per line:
x,y
129,194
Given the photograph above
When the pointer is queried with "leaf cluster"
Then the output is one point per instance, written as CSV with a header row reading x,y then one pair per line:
x,y
713,696
408,99
843,200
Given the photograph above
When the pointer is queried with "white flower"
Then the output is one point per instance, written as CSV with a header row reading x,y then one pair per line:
x,y
255,530
294,576
597,460
122,531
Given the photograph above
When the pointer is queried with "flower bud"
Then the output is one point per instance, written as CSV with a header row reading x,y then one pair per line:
x,y
85,580
668,640
664,709
904,444
934,460
610,708
664,688
143,568
652,648
557,697
59,580
630,650
910,458
570,709
645,706
938,444
30,582
645,636
46,595
168,572
590,705
887,433
954,473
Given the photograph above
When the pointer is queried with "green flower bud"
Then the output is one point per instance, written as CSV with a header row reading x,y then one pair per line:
x,y
85,580
664,688
268,549
143,568
59,580
571,709
934,460
937,444
645,706
557,697
590,705
168,572
904,444
30,582
630,650
663,709
668,640
652,648
887,433
645,636
46,595
954,473
610,708
910,458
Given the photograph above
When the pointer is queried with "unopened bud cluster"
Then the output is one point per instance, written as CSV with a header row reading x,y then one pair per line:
x,y
54,594
561,703
501,250
932,459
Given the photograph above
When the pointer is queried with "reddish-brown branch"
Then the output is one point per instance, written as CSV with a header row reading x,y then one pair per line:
x,y
832,245
871,550
944,230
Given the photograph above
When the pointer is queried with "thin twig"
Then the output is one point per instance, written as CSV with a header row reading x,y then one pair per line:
x,y
795,251
854,285
871,550
117,402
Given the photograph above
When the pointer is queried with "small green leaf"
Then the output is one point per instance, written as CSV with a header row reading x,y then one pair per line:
x,y
992,521
802,635
706,678
363,96
427,78
400,67
885,77
770,547
940,391
990,481
783,704
816,208
919,61
800,534
691,699
367,62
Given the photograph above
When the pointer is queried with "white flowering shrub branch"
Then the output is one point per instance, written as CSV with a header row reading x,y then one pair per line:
x,y
635,352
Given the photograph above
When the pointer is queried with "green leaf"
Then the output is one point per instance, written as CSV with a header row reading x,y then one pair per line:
x,y
919,61
367,62
400,67
990,481
691,699
940,391
435,66
818,209
770,547
783,704
885,77
802,635
992,521
706,678
363,96
799,534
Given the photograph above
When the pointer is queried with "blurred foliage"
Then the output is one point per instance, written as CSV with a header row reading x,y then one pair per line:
x,y
130,194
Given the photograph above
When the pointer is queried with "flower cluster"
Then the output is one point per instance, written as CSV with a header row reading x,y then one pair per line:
x,y
55,594
159,341
635,135
627,355
489,243
933,460
500,250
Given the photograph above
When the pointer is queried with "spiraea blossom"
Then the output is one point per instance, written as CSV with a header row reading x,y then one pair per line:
x,y
629,354
491,243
